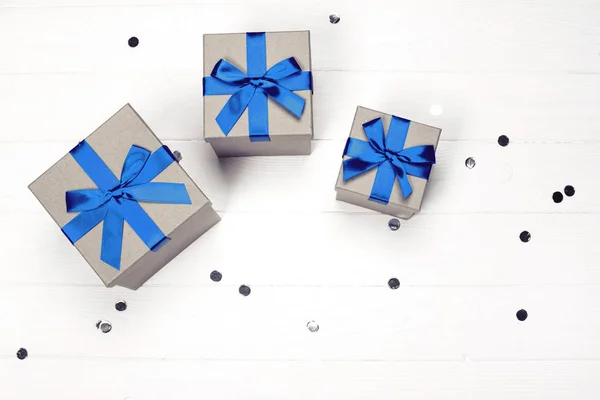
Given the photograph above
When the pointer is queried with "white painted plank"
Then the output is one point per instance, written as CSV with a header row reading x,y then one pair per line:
x,y
519,178
529,70
339,250
268,3
362,324
296,380
416,36
525,107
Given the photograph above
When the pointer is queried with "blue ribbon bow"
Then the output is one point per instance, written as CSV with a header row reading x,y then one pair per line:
x,y
388,154
252,89
116,201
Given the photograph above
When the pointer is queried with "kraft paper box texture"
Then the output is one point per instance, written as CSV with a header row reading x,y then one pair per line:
x,y
182,223
289,135
357,190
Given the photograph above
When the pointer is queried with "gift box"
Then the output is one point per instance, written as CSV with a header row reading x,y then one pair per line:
x,y
124,202
386,163
257,91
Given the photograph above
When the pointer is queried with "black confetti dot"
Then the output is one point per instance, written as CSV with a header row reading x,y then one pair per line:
x,y
470,163
525,236
394,224
521,315
557,197
22,354
394,283
121,305
133,41
104,326
244,290
569,190
503,140
334,18
216,276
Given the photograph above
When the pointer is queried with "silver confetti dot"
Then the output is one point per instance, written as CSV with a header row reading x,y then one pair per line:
x,y
334,18
104,326
394,224
470,163
177,156
312,326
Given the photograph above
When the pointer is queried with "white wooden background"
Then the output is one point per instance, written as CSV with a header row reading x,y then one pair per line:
x,y
526,69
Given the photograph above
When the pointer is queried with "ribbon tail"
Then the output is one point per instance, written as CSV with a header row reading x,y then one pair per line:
x,y
258,117
402,175
160,192
383,183
234,108
79,226
112,237
142,224
286,98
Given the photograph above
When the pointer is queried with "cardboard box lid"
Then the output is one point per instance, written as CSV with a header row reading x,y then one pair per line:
x,y
418,134
112,142
280,45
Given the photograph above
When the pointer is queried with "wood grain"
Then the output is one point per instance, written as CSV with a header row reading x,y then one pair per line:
x,y
267,380
476,68
519,178
477,107
340,250
440,36
356,323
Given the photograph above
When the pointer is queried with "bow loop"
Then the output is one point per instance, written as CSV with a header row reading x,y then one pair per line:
x,y
227,72
388,154
283,69
133,165
115,202
84,200
419,155
375,134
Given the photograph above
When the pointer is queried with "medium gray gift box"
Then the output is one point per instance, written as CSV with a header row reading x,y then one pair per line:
x,y
358,189
182,224
288,135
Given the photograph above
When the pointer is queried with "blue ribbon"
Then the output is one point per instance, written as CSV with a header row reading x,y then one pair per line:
x,y
388,154
250,90
116,201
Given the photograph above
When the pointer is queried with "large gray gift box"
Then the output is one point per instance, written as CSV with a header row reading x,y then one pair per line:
x,y
357,190
181,223
288,134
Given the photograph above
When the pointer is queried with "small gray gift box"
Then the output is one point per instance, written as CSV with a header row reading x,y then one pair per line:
x,y
124,201
387,161
258,93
